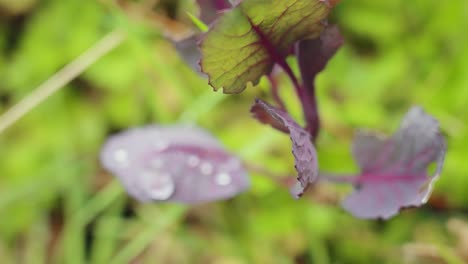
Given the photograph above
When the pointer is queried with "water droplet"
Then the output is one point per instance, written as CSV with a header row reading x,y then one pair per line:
x,y
193,161
121,156
159,186
206,168
223,179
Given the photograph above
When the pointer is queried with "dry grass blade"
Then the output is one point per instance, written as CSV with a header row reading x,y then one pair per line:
x,y
61,78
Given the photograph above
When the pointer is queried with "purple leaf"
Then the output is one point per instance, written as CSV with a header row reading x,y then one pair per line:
x,y
188,51
173,163
395,170
313,56
302,147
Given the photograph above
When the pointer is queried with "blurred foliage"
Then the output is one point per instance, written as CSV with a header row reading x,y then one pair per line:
x,y
58,206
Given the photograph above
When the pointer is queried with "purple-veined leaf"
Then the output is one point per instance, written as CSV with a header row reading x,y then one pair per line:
x,y
173,163
302,148
245,42
313,56
394,171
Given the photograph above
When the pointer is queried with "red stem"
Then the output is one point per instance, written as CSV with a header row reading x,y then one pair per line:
x,y
221,4
307,99
311,112
279,179
335,178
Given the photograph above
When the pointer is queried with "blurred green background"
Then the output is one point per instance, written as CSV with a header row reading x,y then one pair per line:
x,y
57,205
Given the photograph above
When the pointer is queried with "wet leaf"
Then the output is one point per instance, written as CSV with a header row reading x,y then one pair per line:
x,y
173,163
302,147
395,170
245,43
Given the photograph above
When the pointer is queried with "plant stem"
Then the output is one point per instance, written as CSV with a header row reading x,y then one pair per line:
x,y
282,180
221,4
311,112
307,99
279,179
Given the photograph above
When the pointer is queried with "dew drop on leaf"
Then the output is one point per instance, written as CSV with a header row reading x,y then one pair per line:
x,y
206,168
159,186
223,179
121,156
193,161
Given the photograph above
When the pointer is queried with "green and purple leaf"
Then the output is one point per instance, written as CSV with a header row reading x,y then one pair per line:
x,y
245,43
173,163
394,171
302,148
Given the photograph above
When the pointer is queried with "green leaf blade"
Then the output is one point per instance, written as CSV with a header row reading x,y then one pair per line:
x,y
230,50
247,41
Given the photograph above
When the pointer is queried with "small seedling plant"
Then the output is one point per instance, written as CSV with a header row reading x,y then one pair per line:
x,y
243,42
